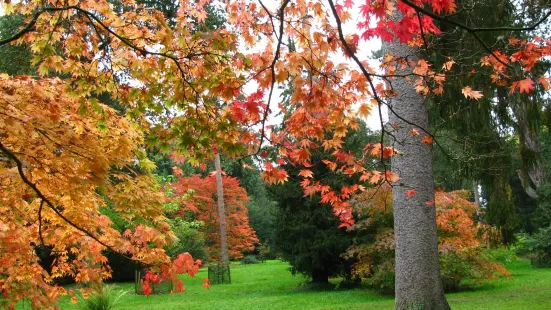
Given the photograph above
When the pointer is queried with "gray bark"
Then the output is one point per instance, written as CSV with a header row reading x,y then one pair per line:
x,y
221,210
418,283
476,193
533,172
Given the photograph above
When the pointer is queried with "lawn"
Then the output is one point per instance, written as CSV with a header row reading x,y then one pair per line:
x,y
271,286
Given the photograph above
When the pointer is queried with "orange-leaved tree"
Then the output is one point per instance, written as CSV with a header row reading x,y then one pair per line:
x,y
201,206
461,240
58,167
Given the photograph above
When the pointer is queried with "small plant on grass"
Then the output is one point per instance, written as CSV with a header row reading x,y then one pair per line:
x,y
249,259
107,299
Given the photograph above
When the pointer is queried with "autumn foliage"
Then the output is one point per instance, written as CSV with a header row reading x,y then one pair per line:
x,y
63,152
183,264
461,240
58,168
201,206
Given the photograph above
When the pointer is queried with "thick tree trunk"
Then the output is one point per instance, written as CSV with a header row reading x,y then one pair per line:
x,y
418,283
533,167
320,276
221,210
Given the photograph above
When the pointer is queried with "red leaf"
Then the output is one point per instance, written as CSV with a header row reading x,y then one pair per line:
x,y
426,140
410,193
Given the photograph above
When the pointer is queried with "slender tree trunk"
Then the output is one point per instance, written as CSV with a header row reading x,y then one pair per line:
x,y
476,193
418,283
221,210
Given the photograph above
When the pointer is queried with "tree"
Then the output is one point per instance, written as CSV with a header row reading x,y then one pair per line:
x,y
202,206
168,76
221,210
47,147
415,231
307,230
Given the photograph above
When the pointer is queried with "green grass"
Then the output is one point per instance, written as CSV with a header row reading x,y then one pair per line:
x,y
271,286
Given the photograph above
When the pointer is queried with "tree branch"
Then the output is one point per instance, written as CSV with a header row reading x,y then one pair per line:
x,y
281,15
40,195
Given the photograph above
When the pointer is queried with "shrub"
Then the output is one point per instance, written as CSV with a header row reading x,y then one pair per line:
x,y
107,299
190,239
462,256
537,247
265,252
249,259
502,255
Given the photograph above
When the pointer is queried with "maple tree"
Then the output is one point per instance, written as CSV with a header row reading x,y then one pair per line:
x,y
202,206
57,167
461,239
178,82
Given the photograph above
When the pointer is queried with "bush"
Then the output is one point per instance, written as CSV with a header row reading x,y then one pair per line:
x,y
190,240
265,252
502,255
249,259
460,239
107,299
537,247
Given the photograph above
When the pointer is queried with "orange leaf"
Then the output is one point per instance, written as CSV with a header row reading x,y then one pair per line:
x,y
426,140
410,193
468,92
525,86
306,173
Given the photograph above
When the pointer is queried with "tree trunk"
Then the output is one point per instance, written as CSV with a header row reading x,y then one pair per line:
x,y
533,167
476,193
221,210
418,283
320,276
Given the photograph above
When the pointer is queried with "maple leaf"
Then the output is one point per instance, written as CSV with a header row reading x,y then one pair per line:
x,y
388,151
448,65
306,173
330,164
177,171
426,140
468,92
410,193
525,86
544,81
364,111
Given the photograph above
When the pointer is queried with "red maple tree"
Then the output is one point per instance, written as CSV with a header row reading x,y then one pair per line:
x,y
201,205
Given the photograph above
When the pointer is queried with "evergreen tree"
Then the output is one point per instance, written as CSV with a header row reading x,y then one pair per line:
x,y
307,231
